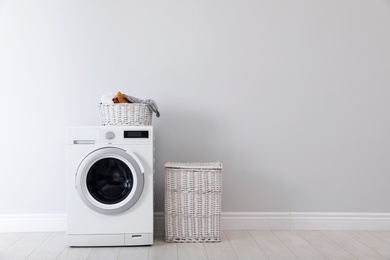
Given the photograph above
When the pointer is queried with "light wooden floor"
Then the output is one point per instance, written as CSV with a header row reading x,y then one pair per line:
x,y
309,245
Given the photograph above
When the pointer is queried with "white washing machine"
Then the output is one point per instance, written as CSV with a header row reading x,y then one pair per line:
x,y
110,186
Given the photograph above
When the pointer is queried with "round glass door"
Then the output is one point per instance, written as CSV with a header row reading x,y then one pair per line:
x,y
110,180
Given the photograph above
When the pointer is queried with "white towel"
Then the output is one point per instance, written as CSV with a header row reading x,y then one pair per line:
x,y
106,99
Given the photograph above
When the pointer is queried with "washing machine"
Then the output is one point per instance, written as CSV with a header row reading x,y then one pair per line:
x,y
110,186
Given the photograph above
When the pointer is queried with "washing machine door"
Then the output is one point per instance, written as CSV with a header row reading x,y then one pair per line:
x,y
110,180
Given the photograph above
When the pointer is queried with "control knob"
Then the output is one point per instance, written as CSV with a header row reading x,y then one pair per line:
x,y
110,135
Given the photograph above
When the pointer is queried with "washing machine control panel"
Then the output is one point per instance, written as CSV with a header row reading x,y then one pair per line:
x,y
114,135
128,134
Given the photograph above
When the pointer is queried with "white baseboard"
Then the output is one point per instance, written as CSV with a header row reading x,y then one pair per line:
x,y
297,221
229,221
255,220
340,221
32,222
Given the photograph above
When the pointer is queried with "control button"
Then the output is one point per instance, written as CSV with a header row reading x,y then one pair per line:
x,y
110,135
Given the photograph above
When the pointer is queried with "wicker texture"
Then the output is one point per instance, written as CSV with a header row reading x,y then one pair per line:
x,y
125,114
193,194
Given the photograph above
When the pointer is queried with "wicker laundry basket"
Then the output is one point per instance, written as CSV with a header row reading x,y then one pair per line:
x,y
125,114
193,194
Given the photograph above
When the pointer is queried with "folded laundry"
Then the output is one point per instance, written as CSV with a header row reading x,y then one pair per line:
x,y
110,98
151,104
120,98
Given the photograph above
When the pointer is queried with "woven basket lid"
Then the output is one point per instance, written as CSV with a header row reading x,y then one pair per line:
x,y
208,165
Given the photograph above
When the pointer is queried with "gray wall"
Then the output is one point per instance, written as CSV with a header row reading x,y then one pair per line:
x,y
291,96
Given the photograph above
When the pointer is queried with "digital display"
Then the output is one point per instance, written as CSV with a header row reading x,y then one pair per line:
x,y
136,134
